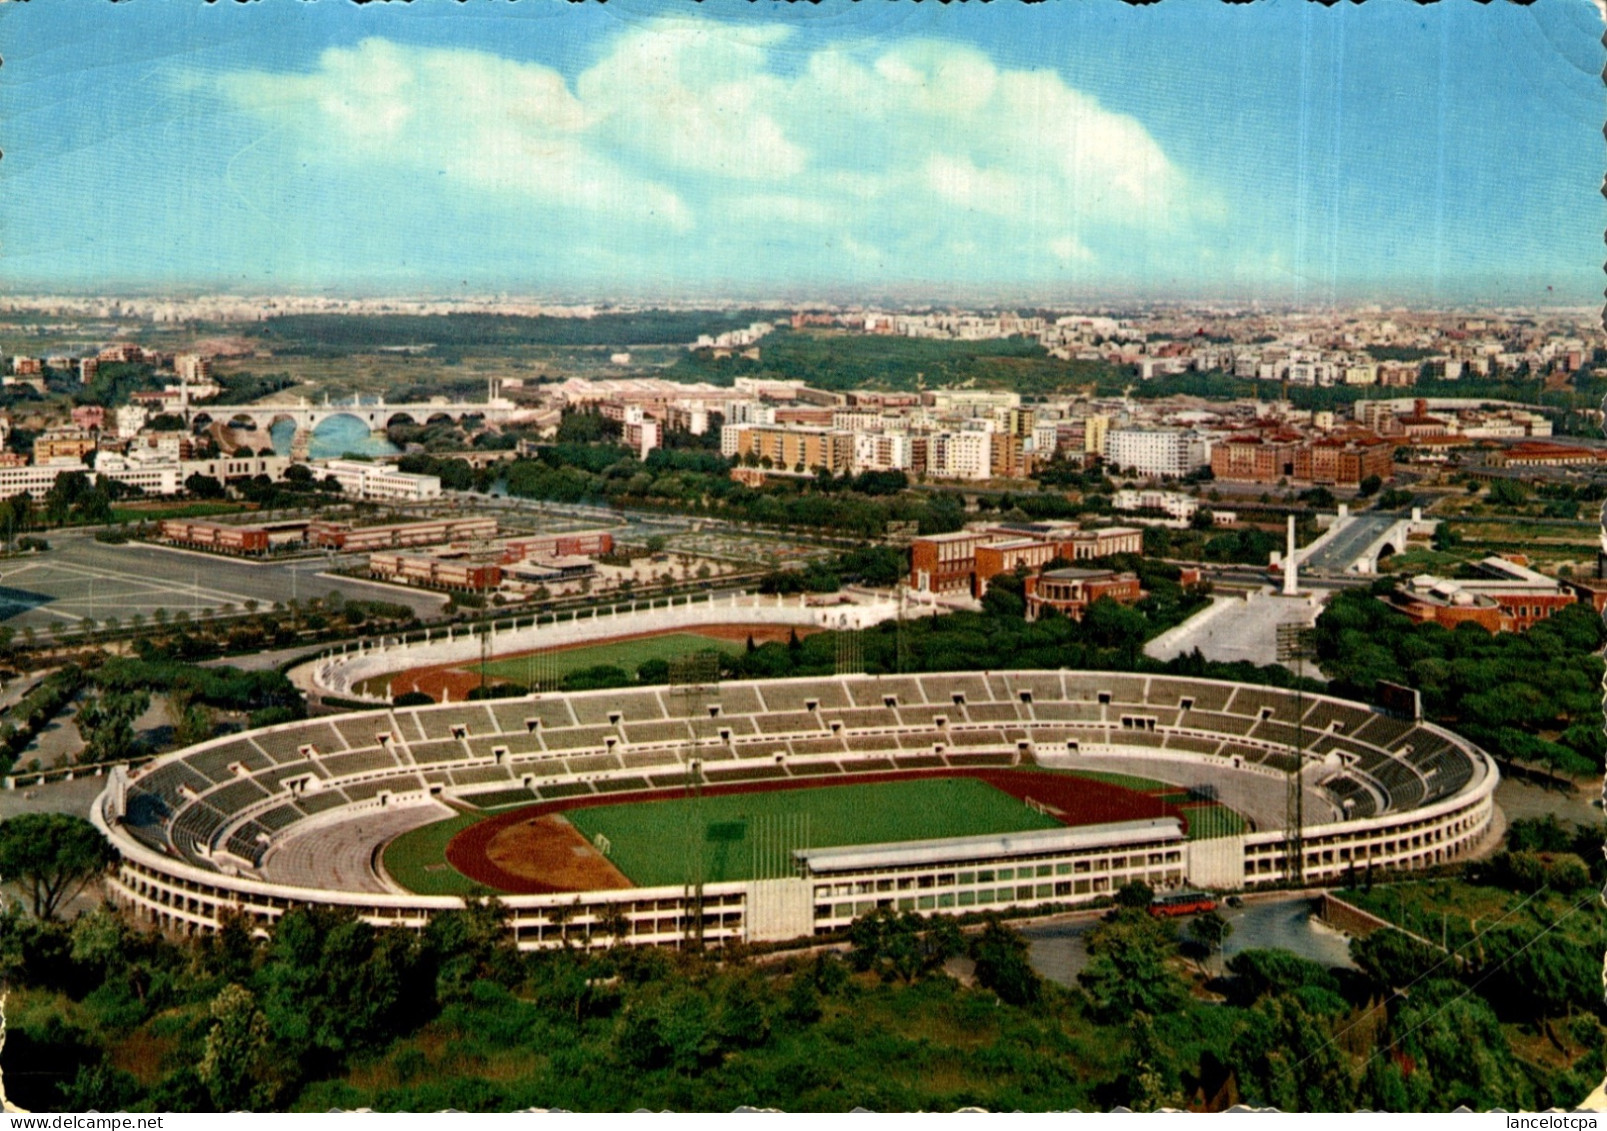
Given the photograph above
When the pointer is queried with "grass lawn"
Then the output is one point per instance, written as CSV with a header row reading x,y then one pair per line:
x,y
1207,821
649,840
417,859
1455,910
626,654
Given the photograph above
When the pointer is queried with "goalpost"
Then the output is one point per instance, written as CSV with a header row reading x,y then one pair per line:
x,y
1037,806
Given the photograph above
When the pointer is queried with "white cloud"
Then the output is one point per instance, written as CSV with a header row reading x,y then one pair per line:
x,y
692,128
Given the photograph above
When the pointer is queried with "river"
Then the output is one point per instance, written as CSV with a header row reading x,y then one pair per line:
x,y
1057,951
334,438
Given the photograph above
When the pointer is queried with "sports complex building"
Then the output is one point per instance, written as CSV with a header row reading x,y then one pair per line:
x,y
776,809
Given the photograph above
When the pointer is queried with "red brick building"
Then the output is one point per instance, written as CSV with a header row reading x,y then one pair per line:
x,y
1345,460
965,561
1071,591
1509,597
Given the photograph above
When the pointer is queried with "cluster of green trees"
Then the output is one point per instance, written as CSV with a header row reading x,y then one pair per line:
x,y
1247,546
34,711
1533,696
698,482
840,361
245,386
250,627
179,636
268,696
880,566
116,382
340,334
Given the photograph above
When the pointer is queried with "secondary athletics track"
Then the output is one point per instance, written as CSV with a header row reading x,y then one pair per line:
x,y
508,852
453,682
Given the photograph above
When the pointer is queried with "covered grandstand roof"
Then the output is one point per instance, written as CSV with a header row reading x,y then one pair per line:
x,y
859,857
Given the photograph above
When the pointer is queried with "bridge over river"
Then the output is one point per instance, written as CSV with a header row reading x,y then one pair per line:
x,y
377,415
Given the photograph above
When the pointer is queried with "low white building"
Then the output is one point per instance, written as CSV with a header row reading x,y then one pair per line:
x,y
1174,504
165,476
33,480
381,481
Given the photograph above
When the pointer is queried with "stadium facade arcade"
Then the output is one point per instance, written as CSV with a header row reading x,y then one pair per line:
x,y
297,814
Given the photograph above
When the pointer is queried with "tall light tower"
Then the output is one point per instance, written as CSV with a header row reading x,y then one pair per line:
x,y
1296,646
694,680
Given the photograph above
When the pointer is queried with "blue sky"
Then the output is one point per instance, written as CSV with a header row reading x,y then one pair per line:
x,y
1189,149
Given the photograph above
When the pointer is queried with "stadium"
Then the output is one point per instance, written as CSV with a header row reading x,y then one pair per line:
x,y
769,810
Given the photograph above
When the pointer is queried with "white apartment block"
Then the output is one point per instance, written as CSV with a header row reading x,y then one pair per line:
x,y
129,419
748,412
381,481
881,451
1156,451
961,455
857,420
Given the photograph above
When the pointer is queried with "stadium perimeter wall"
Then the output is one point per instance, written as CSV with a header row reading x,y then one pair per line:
x,y
182,895
341,673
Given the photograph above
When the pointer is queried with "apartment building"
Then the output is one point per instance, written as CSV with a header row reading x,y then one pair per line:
x,y
791,448
1156,451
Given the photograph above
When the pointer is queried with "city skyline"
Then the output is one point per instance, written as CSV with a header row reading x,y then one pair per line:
x,y
1438,155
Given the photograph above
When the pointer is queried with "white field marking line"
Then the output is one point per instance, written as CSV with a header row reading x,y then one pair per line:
x,y
176,587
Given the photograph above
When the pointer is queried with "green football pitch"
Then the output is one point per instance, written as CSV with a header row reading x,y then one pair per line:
x,y
626,654
747,834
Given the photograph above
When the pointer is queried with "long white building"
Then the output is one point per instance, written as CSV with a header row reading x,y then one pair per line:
x,y
1156,451
381,481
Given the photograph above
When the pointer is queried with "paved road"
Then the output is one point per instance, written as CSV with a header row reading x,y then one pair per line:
x,y
79,577
1340,552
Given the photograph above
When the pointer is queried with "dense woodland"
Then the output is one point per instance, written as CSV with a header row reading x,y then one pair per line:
x,y
330,1012
340,334
1533,696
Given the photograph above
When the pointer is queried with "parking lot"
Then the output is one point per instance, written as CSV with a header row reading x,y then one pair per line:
x,y
80,578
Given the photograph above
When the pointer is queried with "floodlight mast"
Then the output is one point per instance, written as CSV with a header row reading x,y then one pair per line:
x,y
693,679
1295,645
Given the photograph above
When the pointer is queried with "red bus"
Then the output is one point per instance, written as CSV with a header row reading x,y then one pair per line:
x,y
1182,903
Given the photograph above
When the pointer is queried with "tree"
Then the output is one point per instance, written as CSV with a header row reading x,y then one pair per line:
x,y
235,1061
1508,493
1136,894
1127,972
1210,930
51,857
1001,965
106,721
1150,1080
1393,959
204,486
1286,1058
1369,486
